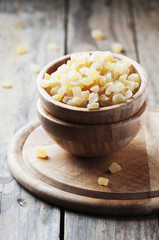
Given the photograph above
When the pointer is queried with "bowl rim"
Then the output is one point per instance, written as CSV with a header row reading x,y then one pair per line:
x,y
139,69
49,117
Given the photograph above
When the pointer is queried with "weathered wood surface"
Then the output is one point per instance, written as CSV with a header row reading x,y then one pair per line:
x,y
22,216
117,20
134,24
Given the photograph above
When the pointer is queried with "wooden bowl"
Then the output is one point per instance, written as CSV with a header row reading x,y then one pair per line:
x,y
91,140
103,115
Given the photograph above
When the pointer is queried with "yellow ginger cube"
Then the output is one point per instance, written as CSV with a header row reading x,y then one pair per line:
x,y
132,85
103,181
123,78
47,76
97,65
35,68
95,88
85,95
41,153
93,97
51,83
114,167
83,70
117,47
134,77
73,75
57,97
122,67
86,81
52,46
6,85
118,98
77,100
77,92
54,90
97,34
91,106
93,74
62,90
66,99
63,69
128,94
21,49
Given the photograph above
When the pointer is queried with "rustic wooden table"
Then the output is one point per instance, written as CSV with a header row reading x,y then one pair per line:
x,y
134,23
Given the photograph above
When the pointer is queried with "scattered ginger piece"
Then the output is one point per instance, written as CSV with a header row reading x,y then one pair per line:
x,y
97,34
114,167
35,68
41,153
103,181
21,49
117,47
6,85
52,46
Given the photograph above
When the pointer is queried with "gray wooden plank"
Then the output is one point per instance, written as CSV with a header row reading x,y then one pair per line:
x,y
146,18
21,215
116,19
112,17
105,228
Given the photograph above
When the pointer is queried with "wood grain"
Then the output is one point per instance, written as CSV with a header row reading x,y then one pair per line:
x,y
146,25
21,215
117,21
129,191
92,140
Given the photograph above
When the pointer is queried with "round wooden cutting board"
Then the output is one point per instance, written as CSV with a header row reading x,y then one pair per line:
x,y
70,181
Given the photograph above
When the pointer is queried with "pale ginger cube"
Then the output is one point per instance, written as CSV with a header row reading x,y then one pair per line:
x,y
95,88
62,90
132,85
128,94
123,78
93,97
118,98
83,70
86,81
77,92
97,34
6,85
104,100
97,65
63,69
35,68
117,47
57,97
93,106
73,74
122,67
21,49
114,167
93,74
77,100
41,153
54,90
134,77
65,99
85,95
52,46
47,76
51,83
103,181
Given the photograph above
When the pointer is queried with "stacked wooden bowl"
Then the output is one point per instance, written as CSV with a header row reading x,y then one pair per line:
x,y
92,133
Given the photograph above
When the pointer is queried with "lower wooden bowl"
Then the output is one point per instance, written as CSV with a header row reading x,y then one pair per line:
x,y
91,140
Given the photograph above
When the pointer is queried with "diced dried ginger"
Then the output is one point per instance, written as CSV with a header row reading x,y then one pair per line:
x,y
97,34
93,106
117,47
41,153
103,181
6,85
52,46
35,68
21,49
114,167
93,80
